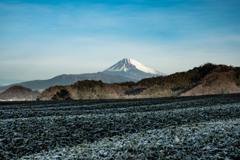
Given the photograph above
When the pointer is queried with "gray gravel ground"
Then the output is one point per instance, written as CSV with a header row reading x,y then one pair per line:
x,y
208,140
188,128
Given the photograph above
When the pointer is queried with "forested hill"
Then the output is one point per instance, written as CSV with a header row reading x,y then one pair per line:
x,y
203,80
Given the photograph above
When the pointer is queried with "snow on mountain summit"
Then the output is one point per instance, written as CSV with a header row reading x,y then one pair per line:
x,y
132,69
127,63
142,67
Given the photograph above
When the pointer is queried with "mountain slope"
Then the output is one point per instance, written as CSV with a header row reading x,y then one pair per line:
x,y
132,69
185,83
69,79
19,93
203,80
123,71
216,83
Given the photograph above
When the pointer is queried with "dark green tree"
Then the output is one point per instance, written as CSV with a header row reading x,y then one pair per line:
x,y
63,94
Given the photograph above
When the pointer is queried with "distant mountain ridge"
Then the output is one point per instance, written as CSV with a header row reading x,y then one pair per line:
x,y
203,80
132,71
67,79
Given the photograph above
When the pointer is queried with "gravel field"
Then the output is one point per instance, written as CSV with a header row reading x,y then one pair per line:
x,y
209,140
206,127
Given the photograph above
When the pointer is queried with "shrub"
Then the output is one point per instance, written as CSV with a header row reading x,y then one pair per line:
x,y
63,94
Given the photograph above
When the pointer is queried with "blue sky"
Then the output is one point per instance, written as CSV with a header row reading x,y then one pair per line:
x,y
40,39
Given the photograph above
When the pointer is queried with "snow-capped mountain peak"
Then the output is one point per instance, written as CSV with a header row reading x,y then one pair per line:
x,y
132,69
128,63
142,67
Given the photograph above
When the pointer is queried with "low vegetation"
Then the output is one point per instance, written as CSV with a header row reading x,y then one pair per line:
x,y
62,95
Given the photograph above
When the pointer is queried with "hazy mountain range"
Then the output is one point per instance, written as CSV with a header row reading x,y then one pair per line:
x,y
123,71
203,80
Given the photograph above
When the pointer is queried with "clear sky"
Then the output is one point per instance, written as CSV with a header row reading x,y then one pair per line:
x,y
40,39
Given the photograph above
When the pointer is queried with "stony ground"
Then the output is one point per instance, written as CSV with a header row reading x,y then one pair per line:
x,y
172,128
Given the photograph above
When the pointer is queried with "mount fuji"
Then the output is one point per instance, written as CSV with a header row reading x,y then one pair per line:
x,y
132,69
123,71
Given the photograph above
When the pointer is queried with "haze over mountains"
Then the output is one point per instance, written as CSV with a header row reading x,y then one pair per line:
x,y
4,82
129,79
125,70
19,93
